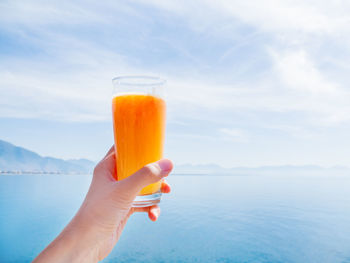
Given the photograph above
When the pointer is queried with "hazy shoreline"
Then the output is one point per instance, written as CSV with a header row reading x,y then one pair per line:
x,y
39,173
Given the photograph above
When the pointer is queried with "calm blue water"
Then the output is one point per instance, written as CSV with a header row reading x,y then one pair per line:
x,y
205,219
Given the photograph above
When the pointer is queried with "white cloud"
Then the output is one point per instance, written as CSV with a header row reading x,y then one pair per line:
x,y
235,135
81,69
236,70
296,82
44,13
297,132
298,72
306,16
308,89
303,16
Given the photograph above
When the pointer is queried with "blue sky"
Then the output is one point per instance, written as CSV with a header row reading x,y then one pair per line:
x,y
250,83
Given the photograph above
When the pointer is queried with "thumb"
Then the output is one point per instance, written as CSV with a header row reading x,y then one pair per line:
x,y
148,174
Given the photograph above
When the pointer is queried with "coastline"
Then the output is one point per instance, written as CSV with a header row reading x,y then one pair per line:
x,y
40,173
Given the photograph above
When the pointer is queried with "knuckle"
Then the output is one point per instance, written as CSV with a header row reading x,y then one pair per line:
x,y
147,171
99,167
96,169
150,171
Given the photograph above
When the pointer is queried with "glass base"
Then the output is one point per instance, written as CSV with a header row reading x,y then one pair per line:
x,y
147,200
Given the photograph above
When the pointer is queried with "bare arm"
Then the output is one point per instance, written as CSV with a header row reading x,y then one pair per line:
x,y
97,226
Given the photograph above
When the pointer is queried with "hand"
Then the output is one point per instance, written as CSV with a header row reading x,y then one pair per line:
x,y
97,226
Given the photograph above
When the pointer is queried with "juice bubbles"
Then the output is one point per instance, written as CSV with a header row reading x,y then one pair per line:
x,y
139,128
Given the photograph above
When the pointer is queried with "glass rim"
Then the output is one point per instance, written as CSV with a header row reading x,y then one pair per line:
x,y
138,80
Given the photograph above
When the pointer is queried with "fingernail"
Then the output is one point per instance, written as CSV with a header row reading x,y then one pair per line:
x,y
165,165
153,217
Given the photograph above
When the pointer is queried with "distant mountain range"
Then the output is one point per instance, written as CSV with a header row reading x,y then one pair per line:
x,y
14,159
214,169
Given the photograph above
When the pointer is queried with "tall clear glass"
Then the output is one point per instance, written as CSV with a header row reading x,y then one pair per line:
x,y
139,113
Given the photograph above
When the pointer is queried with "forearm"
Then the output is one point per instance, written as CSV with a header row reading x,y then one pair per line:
x,y
97,226
69,246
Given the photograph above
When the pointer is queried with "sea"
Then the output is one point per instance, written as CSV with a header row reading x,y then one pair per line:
x,y
206,218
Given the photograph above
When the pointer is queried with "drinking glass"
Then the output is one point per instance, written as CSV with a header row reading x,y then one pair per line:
x,y
139,110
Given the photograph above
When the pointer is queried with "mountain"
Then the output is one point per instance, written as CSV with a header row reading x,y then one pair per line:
x,y
18,159
198,169
213,169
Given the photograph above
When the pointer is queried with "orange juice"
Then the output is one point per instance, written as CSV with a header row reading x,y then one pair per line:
x,y
139,127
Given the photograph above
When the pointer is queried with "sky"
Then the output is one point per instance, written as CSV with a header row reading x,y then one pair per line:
x,y
249,83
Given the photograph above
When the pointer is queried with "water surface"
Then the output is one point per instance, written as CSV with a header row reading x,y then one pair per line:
x,y
205,219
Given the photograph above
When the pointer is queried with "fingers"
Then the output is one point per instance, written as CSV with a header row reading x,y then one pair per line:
x,y
107,166
153,211
149,174
111,150
165,188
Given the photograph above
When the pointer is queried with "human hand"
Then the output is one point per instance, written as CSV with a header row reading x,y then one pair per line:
x,y
97,226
